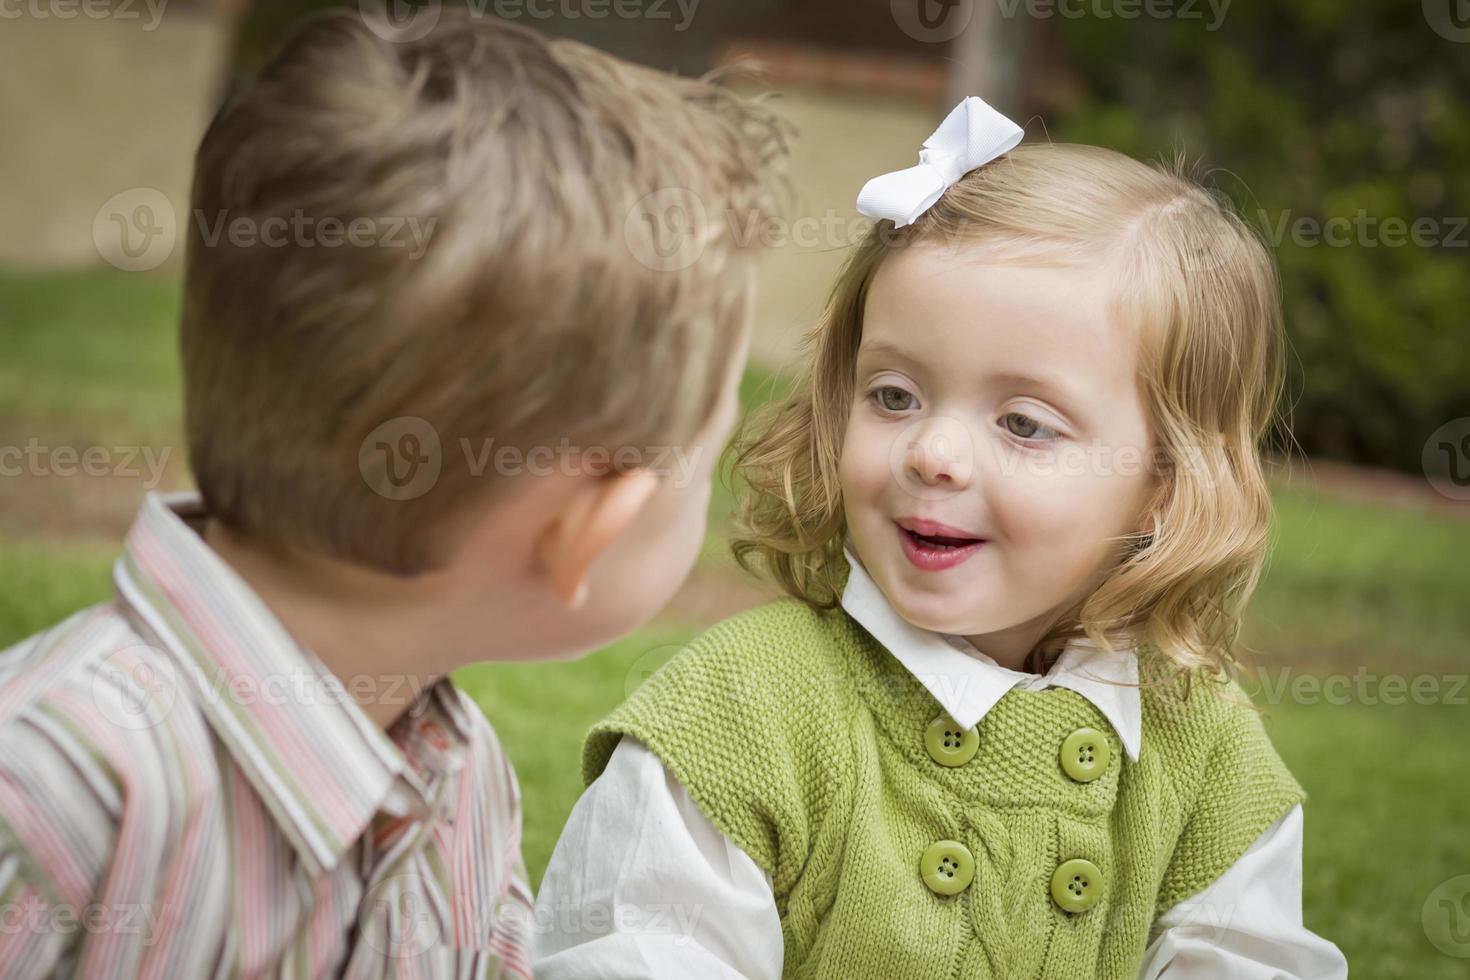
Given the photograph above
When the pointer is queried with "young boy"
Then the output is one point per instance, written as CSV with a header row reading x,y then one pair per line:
x,y
448,399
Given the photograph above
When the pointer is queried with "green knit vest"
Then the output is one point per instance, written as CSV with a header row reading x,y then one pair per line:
x,y
802,738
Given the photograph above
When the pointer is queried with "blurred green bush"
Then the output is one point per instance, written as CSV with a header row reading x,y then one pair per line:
x,y
1311,111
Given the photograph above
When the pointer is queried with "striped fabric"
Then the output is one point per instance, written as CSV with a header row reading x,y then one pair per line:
x,y
186,793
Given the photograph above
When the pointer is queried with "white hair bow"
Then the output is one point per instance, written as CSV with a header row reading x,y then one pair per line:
x,y
971,135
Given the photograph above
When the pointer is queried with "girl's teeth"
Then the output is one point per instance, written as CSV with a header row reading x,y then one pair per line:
x,y
943,542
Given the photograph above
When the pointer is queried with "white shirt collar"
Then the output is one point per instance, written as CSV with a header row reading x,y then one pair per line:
x,y
967,683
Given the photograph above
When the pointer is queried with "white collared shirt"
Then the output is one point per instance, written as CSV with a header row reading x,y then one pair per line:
x,y
969,685
643,884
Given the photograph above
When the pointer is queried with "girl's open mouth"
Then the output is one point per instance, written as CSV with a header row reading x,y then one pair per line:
x,y
936,552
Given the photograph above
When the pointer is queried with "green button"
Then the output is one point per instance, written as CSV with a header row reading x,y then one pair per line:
x,y
1077,885
947,867
1085,754
949,744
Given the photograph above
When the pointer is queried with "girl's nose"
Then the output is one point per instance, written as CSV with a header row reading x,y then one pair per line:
x,y
934,457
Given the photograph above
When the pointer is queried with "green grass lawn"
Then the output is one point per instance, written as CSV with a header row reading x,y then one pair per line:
x,y
1349,588
1350,583
91,353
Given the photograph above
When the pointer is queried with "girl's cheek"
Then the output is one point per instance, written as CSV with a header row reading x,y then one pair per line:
x,y
862,469
1040,511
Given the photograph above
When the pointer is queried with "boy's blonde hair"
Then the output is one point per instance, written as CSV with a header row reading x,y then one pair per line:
x,y
1205,293
546,308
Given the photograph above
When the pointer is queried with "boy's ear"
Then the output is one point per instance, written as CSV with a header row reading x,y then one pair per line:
x,y
597,515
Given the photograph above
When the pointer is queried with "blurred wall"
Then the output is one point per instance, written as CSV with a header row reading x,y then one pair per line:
x,y
96,104
842,139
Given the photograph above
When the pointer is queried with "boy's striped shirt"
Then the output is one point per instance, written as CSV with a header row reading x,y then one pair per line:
x,y
186,792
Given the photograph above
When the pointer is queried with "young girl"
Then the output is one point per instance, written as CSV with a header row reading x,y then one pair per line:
x,y
1018,505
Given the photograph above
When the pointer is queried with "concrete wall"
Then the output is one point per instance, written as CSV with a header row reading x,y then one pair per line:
x,y
97,104
842,140
99,119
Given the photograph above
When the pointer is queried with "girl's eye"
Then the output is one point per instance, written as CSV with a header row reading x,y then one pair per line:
x,y
1025,427
891,398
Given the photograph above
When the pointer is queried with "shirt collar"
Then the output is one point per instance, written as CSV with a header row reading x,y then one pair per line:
x,y
318,762
967,683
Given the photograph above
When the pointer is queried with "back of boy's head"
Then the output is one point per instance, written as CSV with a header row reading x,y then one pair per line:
x,y
456,229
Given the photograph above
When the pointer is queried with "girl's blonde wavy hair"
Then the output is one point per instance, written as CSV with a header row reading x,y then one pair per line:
x,y
1203,289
